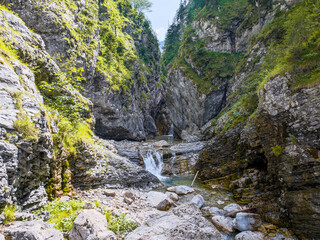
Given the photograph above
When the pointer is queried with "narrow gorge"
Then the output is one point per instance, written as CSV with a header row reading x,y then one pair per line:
x,y
103,136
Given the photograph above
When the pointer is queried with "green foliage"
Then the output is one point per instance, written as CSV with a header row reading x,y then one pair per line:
x,y
212,65
72,133
277,150
62,213
9,213
142,5
26,127
295,41
119,223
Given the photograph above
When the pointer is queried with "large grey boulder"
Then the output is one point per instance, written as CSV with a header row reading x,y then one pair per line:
x,y
198,200
231,208
90,224
223,223
32,230
247,221
185,222
180,190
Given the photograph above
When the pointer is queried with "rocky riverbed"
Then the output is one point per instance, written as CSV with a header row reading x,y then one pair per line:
x,y
158,215
172,211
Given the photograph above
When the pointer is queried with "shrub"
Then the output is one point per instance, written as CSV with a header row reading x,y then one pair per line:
x,y
9,213
62,214
26,127
120,224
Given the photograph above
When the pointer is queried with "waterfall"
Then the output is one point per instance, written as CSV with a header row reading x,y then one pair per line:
x,y
153,162
171,131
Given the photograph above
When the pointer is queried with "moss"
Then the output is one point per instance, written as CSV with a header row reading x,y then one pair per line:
x,y
277,150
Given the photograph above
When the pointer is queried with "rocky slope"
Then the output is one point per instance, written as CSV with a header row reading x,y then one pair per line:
x,y
264,136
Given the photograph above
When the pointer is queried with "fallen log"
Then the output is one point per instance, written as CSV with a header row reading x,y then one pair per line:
x,y
234,213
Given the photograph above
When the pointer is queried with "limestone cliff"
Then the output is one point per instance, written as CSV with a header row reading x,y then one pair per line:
x,y
46,122
264,132
118,53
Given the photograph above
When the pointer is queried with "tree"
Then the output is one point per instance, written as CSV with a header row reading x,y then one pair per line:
x,y
141,5
259,4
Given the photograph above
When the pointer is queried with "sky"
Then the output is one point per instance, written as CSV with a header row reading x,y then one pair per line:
x,y
162,14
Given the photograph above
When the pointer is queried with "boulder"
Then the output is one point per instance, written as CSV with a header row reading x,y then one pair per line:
x,y
154,198
165,205
109,193
185,222
233,207
248,235
215,211
161,143
181,190
198,200
32,230
90,224
247,221
223,223
173,196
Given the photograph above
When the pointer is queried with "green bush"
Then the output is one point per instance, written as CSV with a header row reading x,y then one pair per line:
x,y
26,127
9,213
120,223
62,214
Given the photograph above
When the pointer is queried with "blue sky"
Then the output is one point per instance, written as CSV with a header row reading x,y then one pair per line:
x,y
163,12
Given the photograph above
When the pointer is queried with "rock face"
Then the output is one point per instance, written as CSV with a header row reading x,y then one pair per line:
x,y
25,138
272,157
120,114
32,230
197,91
185,222
90,224
98,167
32,164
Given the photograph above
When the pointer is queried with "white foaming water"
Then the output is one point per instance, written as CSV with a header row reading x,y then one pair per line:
x,y
153,162
171,131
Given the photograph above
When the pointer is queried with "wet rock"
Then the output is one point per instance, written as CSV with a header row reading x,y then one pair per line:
x,y
247,221
186,222
32,230
233,207
90,224
184,148
181,190
165,205
248,235
173,196
216,211
198,200
223,223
